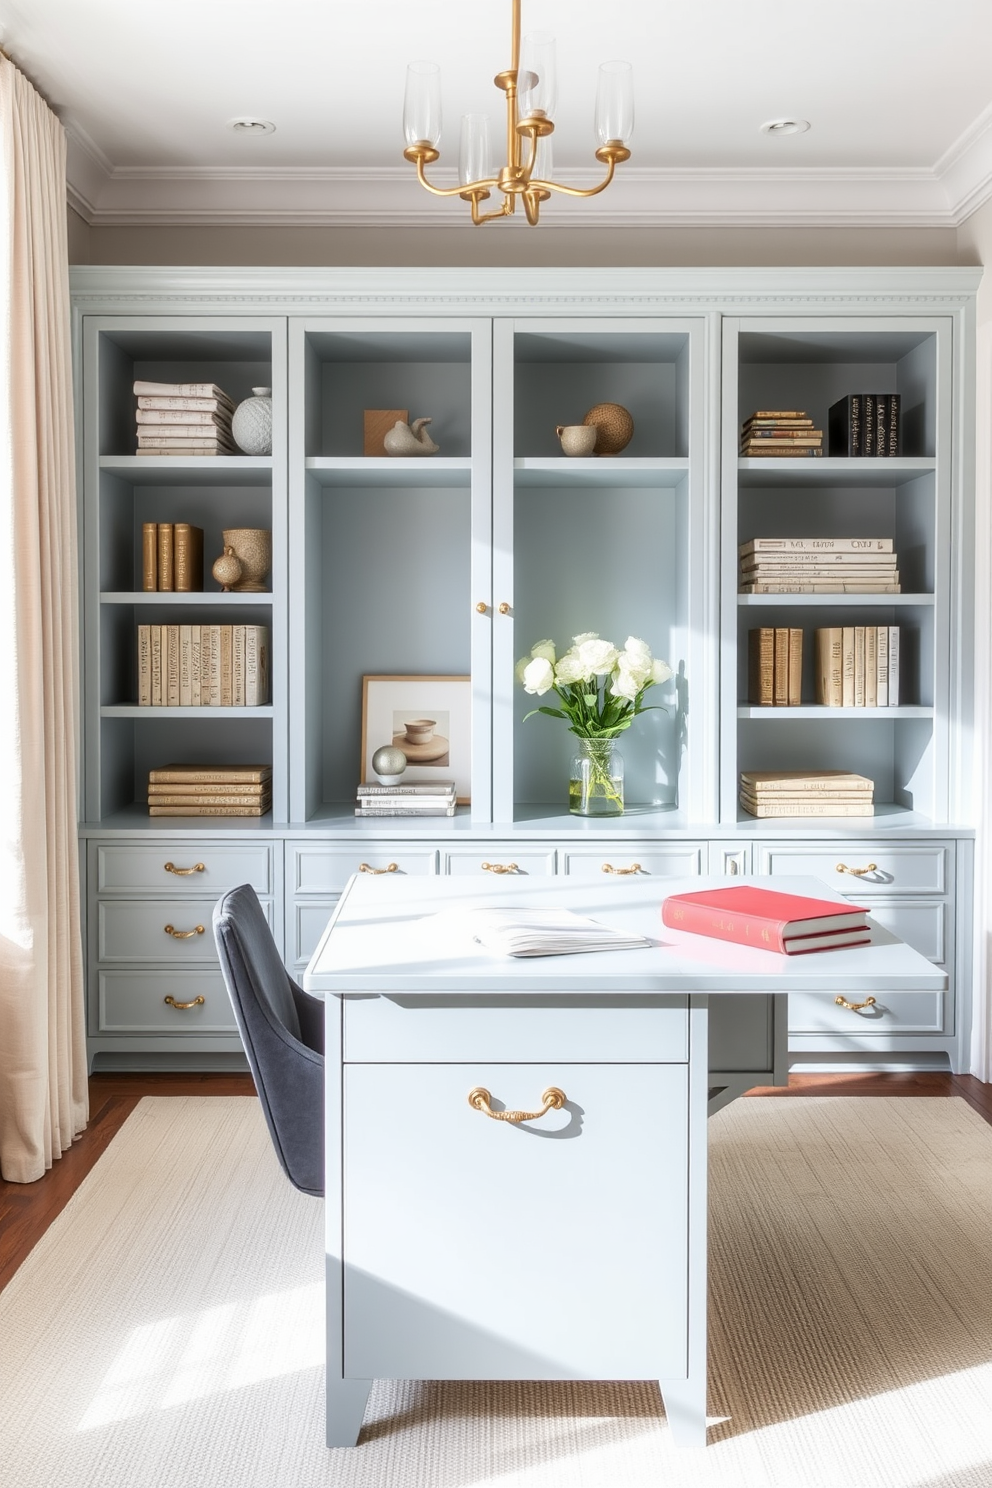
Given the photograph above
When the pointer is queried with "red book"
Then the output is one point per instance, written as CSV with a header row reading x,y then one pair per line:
x,y
767,919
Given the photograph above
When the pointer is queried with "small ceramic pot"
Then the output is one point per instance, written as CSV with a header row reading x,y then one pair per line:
x,y
419,730
577,439
253,548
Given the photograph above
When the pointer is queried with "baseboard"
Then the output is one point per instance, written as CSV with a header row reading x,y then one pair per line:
x,y
223,1064
885,1064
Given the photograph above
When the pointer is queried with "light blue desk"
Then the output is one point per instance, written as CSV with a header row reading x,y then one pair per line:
x,y
573,1245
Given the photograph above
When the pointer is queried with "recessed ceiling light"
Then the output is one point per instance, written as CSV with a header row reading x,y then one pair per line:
x,y
251,126
785,126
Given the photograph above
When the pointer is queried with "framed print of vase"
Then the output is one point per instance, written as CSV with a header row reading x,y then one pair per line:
x,y
429,718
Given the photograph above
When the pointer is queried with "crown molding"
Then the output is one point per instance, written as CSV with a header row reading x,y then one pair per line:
x,y
943,196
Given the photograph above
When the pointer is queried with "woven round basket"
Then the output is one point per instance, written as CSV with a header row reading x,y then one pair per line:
x,y
614,425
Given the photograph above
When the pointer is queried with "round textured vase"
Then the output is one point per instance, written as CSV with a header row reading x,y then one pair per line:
x,y
252,423
614,426
595,779
252,546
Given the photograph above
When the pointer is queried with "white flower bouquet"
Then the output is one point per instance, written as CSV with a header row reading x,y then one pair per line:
x,y
600,688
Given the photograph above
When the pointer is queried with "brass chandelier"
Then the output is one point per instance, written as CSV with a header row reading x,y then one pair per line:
x,y
530,86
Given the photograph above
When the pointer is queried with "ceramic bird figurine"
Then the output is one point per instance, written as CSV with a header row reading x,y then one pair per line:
x,y
410,439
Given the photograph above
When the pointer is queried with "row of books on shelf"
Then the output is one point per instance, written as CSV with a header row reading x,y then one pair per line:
x,y
415,798
771,432
183,418
210,790
865,424
857,666
171,557
203,666
809,793
850,566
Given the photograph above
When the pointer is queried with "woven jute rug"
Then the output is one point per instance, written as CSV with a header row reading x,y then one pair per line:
x,y
166,1332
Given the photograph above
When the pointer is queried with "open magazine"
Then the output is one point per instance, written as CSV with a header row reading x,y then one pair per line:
x,y
538,932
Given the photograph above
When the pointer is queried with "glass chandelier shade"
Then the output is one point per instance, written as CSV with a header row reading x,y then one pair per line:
x,y
530,85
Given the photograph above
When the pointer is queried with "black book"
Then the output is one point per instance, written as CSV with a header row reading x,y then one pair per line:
x,y
869,402
845,434
894,444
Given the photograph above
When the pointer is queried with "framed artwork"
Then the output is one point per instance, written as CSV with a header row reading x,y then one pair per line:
x,y
429,718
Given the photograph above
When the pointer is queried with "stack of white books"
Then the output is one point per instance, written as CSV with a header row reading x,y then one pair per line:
x,y
816,565
184,419
415,798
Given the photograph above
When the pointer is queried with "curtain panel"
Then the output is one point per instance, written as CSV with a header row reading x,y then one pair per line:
x,y
43,1086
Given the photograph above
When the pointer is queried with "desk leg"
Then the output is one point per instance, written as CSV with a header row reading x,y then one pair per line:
x,y
346,1401
345,1398
685,1407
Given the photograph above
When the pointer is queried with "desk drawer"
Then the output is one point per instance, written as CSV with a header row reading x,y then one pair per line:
x,y
500,859
135,930
891,1013
134,1002
677,860
315,868
899,868
183,867
520,1029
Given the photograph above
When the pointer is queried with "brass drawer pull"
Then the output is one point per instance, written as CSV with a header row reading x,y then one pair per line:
x,y
185,872
853,1007
634,868
197,1002
553,1099
504,608
183,934
482,607
857,872
389,868
499,867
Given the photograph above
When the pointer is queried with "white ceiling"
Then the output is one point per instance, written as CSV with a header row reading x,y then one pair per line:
x,y
899,98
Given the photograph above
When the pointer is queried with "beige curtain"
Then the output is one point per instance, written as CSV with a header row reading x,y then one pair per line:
x,y
43,1088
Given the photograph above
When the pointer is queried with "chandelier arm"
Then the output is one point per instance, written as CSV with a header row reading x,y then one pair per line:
x,y
452,190
536,185
478,218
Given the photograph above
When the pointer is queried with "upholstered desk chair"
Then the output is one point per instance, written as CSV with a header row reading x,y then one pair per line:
x,y
282,1029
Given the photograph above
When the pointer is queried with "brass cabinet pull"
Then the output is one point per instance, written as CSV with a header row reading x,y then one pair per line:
x,y
504,608
389,868
197,1002
634,868
853,1007
857,872
183,934
499,867
185,872
482,607
553,1099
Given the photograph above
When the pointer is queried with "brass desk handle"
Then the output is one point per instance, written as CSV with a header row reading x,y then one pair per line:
x,y
853,1007
389,868
499,867
553,1099
185,872
197,1002
634,868
857,872
183,934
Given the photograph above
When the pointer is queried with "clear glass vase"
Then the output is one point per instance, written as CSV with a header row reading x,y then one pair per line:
x,y
595,779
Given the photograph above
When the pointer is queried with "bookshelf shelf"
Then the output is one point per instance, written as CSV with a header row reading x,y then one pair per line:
x,y
170,597
555,474
187,714
390,474
840,601
827,715
206,470
844,474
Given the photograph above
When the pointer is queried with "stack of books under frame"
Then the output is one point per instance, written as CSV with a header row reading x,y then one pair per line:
x,y
413,798
210,790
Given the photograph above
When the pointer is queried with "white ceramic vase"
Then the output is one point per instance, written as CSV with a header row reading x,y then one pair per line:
x,y
252,423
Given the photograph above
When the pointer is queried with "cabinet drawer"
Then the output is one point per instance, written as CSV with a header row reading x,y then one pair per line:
x,y
134,1002
134,930
899,869
498,858
521,1256
676,860
319,869
922,924
519,1029
892,1013
178,867
309,920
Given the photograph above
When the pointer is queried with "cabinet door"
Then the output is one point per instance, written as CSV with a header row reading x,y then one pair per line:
x,y
477,1248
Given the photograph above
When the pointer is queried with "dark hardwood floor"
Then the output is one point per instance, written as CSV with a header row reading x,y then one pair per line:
x,y
27,1209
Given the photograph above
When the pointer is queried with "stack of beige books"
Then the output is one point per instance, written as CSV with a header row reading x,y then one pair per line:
x,y
816,565
780,431
806,793
184,419
210,790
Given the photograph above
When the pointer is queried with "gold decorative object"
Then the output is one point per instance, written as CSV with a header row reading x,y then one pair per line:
x,y
576,439
857,872
531,91
183,872
252,547
410,439
184,934
553,1099
609,868
614,426
227,569
499,867
854,1007
197,1002
390,868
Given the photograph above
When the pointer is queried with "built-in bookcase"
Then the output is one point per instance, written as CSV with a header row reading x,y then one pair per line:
x,y
804,365
123,490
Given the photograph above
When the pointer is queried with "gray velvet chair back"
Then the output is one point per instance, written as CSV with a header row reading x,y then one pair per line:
x,y
282,1029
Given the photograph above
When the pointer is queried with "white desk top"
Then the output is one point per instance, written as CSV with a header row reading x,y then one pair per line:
x,y
375,942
